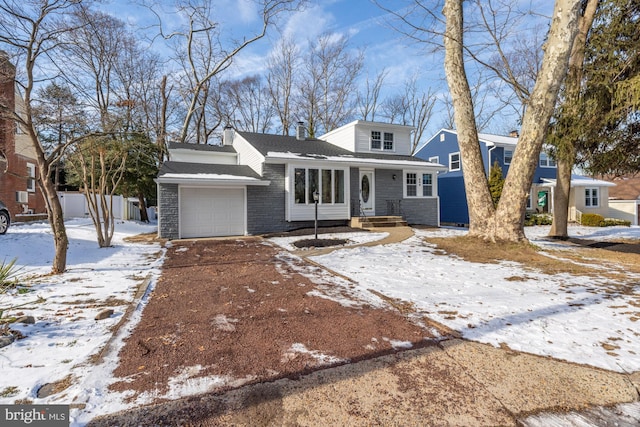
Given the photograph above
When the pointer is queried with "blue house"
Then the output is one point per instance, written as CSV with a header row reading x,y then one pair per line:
x,y
587,195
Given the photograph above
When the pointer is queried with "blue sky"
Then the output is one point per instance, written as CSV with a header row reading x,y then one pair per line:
x,y
364,22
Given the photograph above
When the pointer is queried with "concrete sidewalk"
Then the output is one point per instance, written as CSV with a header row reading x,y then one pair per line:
x,y
453,383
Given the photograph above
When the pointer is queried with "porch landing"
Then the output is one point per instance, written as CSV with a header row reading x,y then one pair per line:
x,y
369,222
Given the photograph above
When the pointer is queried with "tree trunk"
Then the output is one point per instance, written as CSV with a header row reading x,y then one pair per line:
x,y
481,210
561,198
566,148
144,217
507,222
56,221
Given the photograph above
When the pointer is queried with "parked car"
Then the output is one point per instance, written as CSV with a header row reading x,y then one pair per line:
x,y
5,218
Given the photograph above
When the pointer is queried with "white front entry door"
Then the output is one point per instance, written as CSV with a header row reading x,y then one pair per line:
x,y
367,192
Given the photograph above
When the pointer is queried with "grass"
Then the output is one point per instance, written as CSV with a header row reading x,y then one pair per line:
x,y
578,261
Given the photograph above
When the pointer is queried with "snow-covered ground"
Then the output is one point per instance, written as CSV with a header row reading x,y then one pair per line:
x,y
583,319
564,316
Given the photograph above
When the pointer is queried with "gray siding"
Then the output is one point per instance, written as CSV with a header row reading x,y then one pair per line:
x,y
266,205
421,211
414,211
168,208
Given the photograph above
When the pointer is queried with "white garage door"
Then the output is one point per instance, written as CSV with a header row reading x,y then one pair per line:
x,y
209,212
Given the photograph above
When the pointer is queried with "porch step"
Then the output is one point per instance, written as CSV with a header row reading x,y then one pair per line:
x,y
377,222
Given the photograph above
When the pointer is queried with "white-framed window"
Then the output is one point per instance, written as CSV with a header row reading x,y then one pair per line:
x,y
388,141
546,161
329,183
434,159
591,197
454,161
508,156
381,140
31,177
376,140
418,184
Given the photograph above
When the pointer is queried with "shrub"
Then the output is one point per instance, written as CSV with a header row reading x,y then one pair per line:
x,y
538,219
611,222
592,220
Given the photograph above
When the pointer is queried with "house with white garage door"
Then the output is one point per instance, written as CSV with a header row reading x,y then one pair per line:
x,y
259,183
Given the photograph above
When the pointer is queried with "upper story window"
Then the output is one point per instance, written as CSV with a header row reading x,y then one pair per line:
x,y
546,161
508,156
31,177
376,140
591,198
388,141
454,161
418,184
381,141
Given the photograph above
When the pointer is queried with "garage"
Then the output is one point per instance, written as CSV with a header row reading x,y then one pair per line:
x,y
211,212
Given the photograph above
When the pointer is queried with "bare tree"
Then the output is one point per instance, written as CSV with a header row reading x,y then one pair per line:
x,y
283,65
247,104
327,85
368,100
98,164
33,31
203,55
506,221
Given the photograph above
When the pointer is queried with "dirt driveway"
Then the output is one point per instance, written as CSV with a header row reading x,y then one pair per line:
x,y
240,312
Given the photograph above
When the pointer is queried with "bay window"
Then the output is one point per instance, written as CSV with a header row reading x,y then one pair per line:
x,y
329,183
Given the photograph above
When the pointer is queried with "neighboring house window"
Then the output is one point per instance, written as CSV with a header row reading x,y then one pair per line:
x,y
388,141
418,184
591,198
376,140
529,201
546,161
454,161
508,155
330,184
31,177
434,159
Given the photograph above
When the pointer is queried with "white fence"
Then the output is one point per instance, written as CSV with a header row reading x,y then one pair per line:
x,y
74,205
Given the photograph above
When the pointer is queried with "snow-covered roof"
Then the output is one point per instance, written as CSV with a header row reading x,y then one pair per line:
x,y
500,140
581,181
199,173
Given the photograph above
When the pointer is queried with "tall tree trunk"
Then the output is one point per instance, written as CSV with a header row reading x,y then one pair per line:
x,y
566,148
56,219
507,222
481,210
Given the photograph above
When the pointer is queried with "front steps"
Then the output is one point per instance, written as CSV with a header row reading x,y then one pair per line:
x,y
370,222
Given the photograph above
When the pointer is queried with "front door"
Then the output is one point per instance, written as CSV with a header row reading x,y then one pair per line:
x,y
367,199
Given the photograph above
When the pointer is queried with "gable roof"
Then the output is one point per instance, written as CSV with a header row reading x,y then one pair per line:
x,y
627,188
289,147
580,181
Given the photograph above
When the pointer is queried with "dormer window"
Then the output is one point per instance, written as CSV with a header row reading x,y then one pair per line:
x,y
376,141
388,141
381,141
